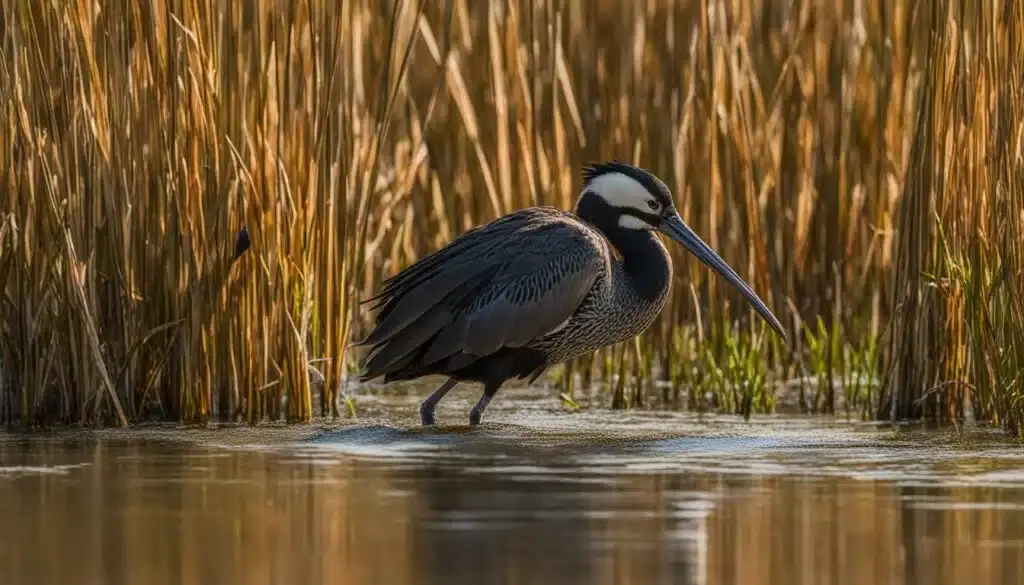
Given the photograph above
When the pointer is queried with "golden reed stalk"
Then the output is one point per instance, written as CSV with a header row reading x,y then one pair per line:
x,y
859,162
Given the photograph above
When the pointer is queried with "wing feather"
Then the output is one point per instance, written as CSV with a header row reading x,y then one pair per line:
x,y
505,284
541,284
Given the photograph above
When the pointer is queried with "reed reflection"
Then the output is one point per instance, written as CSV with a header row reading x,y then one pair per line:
x,y
162,513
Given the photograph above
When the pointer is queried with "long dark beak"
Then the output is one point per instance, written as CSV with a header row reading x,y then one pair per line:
x,y
677,229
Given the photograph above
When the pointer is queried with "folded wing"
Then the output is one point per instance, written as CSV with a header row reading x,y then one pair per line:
x,y
504,284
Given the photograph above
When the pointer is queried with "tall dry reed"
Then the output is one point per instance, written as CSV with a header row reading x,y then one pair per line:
x,y
857,161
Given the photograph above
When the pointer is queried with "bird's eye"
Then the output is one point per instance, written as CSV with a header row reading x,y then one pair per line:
x,y
653,204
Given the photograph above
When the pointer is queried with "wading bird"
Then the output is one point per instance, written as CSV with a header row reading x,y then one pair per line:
x,y
535,288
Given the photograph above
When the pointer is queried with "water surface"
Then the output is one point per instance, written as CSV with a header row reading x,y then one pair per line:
x,y
536,495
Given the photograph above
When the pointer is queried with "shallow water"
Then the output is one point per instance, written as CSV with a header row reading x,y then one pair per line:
x,y
535,495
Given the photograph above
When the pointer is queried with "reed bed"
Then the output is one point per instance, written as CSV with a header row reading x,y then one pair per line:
x,y
859,162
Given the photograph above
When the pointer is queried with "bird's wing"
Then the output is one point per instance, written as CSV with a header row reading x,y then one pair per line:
x,y
542,279
504,284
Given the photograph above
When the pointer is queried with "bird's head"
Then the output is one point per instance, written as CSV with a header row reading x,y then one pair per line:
x,y
618,197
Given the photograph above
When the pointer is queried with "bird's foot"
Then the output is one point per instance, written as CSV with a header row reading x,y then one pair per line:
x,y
478,411
427,414
428,405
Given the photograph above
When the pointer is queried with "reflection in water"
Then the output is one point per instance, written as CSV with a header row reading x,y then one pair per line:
x,y
492,507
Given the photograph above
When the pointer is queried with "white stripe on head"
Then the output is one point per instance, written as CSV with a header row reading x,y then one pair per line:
x,y
632,222
621,190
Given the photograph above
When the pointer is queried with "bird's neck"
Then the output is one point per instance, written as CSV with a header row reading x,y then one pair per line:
x,y
645,260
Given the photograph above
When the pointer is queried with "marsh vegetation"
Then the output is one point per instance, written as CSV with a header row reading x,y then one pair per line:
x,y
858,162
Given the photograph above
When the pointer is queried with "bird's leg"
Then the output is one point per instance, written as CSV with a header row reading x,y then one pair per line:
x,y
427,408
490,389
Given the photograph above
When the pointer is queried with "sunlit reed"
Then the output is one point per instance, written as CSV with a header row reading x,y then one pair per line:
x,y
858,162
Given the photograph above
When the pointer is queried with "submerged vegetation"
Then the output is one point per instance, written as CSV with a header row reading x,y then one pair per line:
x,y
858,162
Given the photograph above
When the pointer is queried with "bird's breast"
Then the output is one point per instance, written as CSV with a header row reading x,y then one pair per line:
x,y
605,318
